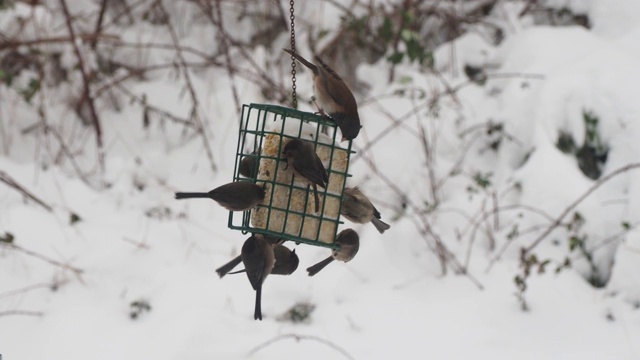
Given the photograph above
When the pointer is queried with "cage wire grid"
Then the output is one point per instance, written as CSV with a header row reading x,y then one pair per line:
x,y
259,123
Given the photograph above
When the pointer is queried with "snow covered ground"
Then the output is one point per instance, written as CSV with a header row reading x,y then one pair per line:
x,y
136,244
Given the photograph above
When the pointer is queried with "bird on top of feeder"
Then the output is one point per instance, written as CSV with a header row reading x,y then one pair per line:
x,y
349,242
258,259
357,207
235,196
306,164
334,97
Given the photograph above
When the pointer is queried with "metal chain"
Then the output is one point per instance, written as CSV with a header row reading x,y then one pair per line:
x,y
294,98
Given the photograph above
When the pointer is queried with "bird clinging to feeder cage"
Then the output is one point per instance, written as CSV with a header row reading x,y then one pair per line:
x,y
333,96
289,210
306,164
235,196
349,242
357,207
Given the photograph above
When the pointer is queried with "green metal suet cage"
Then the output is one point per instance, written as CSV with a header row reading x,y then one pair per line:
x,y
287,211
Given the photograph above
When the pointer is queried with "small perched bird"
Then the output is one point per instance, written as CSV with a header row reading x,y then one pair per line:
x,y
279,255
335,98
286,261
349,244
235,196
307,165
358,209
258,259
249,166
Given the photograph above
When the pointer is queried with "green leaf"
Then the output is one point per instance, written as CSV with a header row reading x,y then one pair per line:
x,y
31,90
74,218
395,58
483,180
405,80
521,284
542,265
322,33
385,32
408,35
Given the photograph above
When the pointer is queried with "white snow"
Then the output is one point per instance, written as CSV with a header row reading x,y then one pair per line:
x,y
392,300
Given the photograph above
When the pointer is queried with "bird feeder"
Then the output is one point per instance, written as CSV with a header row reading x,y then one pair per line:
x,y
288,209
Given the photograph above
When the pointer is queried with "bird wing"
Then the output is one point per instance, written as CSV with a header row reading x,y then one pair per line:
x,y
338,90
316,173
323,171
258,278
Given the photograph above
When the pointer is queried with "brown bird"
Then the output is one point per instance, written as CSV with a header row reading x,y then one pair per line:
x,y
335,98
306,164
274,241
349,244
286,261
235,196
249,165
357,207
258,259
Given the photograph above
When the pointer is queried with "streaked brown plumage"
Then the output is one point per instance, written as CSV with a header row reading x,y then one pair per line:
x,y
334,97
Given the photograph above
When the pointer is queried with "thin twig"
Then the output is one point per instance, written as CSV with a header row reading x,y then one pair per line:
x,y
5,178
607,240
29,288
222,38
12,44
297,337
577,202
49,260
103,8
21,312
87,89
195,114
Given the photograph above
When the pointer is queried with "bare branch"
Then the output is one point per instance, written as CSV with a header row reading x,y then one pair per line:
x,y
5,178
87,89
297,337
49,260
575,203
21,312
